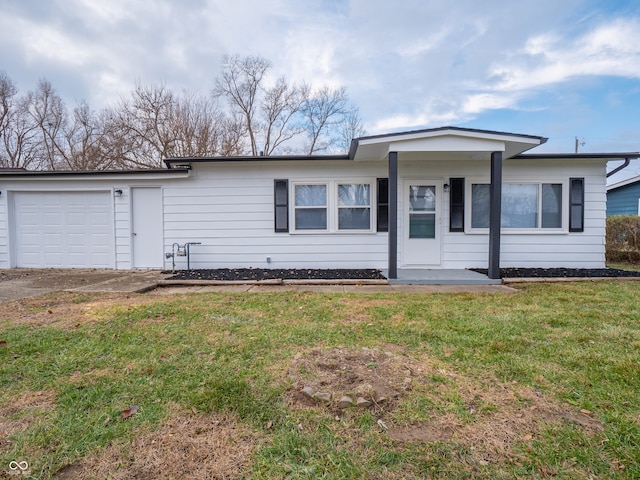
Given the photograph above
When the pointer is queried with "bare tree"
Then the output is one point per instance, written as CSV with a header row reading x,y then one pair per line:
x,y
154,124
274,116
279,106
323,111
265,116
30,126
49,114
8,91
84,142
351,127
240,83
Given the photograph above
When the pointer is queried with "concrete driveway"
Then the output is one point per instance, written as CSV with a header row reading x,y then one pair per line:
x,y
21,283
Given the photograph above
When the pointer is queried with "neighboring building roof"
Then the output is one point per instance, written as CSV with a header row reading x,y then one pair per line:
x,y
624,183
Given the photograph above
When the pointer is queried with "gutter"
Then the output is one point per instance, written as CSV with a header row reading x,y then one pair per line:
x,y
626,163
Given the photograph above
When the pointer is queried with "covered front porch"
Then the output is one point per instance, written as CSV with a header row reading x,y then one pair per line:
x,y
428,239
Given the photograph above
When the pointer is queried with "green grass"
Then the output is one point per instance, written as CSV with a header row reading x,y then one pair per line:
x,y
578,343
625,266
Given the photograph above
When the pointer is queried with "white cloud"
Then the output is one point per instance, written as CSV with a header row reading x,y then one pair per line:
x,y
610,49
407,64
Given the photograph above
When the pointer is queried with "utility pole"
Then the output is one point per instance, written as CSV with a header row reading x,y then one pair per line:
x,y
581,143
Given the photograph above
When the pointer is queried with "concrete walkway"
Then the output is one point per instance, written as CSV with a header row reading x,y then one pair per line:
x,y
446,276
23,283
169,290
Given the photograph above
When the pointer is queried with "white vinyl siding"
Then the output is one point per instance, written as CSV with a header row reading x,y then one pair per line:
x,y
470,250
4,230
229,208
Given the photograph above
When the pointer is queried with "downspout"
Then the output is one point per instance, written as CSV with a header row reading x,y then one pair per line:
x,y
626,163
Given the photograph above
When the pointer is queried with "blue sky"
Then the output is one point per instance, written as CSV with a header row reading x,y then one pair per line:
x,y
560,69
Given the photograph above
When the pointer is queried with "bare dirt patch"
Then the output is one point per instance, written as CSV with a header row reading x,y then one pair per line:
x,y
67,309
490,416
371,374
187,445
20,413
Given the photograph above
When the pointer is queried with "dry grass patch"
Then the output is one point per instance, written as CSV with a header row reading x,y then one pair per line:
x,y
19,413
67,310
358,309
491,418
188,445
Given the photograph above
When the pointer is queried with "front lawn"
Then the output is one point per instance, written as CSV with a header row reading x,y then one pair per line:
x,y
540,383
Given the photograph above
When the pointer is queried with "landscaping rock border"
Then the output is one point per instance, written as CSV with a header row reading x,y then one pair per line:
x,y
562,272
264,274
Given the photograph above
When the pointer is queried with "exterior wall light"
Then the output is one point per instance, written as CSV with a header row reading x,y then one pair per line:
x,y
118,192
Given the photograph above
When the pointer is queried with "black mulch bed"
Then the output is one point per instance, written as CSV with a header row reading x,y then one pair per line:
x,y
236,274
561,272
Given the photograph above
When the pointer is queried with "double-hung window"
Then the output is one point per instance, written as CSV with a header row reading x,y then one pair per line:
x,y
333,206
310,206
354,206
525,206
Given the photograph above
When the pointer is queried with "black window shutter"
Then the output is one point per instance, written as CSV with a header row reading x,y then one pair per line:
x,y
576,204
383,205
456,204
281,205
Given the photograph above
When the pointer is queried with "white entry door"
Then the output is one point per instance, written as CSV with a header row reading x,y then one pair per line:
x,y
146,231
421,223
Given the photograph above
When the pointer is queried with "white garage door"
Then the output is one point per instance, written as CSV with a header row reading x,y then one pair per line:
x,y
63,229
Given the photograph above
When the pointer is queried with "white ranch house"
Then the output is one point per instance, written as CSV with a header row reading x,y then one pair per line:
x,y
443,198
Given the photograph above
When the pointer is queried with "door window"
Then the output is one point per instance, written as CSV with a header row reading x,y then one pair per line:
x,y
422,211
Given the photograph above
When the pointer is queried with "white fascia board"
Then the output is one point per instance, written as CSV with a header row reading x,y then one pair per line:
x,y
450,140
448,143
400,137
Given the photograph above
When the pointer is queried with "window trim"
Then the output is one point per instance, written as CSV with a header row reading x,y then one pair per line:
x,y
332,205
573,203
294,207
382,183
281,183
564,229
456,183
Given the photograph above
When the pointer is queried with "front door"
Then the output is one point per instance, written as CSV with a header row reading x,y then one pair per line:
x,y
421,223
146,231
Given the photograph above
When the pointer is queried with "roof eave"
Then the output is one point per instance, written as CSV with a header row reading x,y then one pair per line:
x,y
577,156
170,162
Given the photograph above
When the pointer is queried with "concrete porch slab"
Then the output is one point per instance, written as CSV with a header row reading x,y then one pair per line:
x,y
421,276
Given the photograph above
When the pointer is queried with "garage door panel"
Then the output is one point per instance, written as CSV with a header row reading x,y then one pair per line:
x,y
63,229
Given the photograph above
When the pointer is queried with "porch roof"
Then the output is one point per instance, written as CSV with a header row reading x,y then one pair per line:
x,y
443,143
